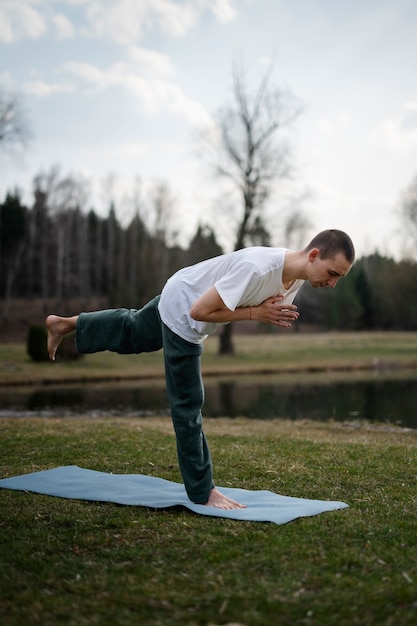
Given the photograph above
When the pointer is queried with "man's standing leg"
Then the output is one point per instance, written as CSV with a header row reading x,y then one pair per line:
x,y
186,396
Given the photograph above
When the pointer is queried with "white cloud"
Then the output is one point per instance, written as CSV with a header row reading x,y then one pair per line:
x,y
63,27
122,21
18,20
337,122
155,94
126,21
150,62
89,74
222,9
400,133
146,78
409,120
410,105
6,79
42,89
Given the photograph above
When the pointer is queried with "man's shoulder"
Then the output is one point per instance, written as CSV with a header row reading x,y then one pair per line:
x,y
264,255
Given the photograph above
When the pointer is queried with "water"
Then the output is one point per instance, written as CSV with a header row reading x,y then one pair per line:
x,y
389,398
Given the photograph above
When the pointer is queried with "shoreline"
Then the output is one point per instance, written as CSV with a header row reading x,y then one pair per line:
x,y
376,366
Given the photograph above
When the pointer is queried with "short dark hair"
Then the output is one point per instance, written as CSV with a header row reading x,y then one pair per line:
x,y
331,242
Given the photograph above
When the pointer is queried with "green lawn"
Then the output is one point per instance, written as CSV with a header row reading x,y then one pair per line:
x,y
81,563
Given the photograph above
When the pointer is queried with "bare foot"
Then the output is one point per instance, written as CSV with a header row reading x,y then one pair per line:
x,y
57,328
221,501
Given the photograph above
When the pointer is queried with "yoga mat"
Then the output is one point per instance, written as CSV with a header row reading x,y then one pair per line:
x,y
75,482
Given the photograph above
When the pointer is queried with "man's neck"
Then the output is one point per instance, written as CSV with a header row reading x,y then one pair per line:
x,y
294,268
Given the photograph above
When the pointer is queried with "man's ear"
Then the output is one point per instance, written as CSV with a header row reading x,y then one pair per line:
x,y
313,254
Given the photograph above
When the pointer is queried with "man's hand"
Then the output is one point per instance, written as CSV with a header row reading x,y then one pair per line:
x,y
270,311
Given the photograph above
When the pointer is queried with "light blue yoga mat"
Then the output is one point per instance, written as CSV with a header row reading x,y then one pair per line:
x,y
75,482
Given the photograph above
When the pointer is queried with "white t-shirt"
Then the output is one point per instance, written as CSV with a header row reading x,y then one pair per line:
x,y
243,278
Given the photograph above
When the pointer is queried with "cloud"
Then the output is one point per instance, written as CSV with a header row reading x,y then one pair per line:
x,y
19,20
222,9
155,93
122,21
329,125
146,74
399,133
90,75
126,21
42,89
150,62
409,120
63,27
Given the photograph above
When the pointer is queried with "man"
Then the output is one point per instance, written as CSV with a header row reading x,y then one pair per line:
x,y
257,283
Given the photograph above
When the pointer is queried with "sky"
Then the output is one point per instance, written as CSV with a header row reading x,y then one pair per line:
x,y
122,88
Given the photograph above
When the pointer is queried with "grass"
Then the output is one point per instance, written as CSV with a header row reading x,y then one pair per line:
x,y
81,563
273,352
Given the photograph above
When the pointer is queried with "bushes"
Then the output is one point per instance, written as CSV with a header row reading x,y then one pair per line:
x,y
37,345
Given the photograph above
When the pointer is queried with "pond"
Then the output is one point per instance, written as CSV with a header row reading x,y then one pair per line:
x,y
374,397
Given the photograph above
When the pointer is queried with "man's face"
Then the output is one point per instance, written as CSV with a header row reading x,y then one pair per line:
x,y
326,272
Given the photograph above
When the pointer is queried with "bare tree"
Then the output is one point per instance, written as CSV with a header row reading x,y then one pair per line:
x,y
408,212
14,126
64,199
253,154
82,237
136,245
109,192
163,211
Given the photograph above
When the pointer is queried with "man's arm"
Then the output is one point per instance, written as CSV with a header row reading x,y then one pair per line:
x,y
210,308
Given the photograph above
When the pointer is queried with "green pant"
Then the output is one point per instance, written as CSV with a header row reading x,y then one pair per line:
x,y
128,331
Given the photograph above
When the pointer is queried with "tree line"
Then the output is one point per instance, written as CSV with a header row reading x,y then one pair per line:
x,y
55,250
